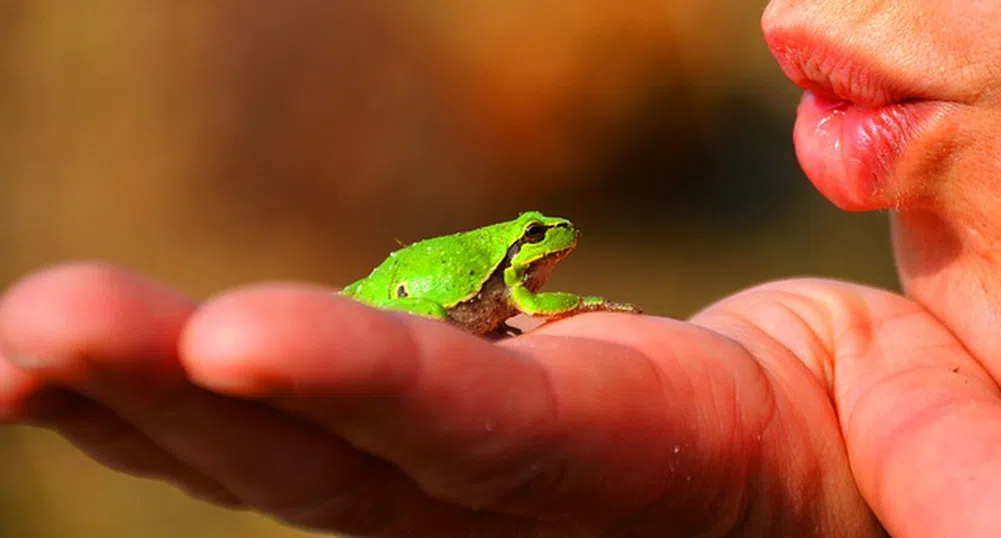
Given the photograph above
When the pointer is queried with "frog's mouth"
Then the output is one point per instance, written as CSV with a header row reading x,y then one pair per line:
x,y
539,270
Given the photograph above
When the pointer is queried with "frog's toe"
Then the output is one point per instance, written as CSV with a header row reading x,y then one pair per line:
x,y
626,307
503,331
510,329
597,304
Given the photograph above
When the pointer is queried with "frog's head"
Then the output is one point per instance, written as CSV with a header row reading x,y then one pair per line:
x,y
541,242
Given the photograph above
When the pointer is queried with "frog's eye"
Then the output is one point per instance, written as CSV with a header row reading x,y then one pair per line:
x,y
534,233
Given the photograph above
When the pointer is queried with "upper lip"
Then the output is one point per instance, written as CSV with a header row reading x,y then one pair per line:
x,y
818,66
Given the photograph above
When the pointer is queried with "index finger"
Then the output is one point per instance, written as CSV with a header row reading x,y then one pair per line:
x,y
557,421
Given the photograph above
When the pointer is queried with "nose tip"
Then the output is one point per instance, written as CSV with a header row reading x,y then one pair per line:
x,y
769,20
778,14
786,26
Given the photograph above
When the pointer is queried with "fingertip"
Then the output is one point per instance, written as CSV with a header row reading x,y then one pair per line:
x,y
275,338
54,317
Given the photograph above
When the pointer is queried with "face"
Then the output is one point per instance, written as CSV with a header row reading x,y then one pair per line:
x,y
544,243
902,98
543,237
902,111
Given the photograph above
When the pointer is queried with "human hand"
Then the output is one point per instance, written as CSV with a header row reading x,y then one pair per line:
x,y
296,402
798,408
902,113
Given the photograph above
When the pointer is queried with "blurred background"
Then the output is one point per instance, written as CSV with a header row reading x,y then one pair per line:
x,y
210,144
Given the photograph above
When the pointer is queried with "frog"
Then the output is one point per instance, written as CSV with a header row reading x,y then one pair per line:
x,y
479,279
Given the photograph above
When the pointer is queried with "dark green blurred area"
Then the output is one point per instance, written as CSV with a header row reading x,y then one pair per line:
x,y
212,144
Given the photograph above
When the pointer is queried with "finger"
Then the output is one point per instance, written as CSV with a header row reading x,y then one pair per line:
x,y
98,432
111,337
547,424
920,417
54,321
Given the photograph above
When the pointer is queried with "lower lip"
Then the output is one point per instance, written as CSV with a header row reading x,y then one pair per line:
x,y
848,151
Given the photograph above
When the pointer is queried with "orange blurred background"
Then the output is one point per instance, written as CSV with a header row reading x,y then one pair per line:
x,y
215,143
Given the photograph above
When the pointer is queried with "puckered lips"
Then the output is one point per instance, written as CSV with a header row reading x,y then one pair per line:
x,y
854,122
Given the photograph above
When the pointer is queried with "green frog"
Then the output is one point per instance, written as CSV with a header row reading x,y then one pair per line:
x,y
479,279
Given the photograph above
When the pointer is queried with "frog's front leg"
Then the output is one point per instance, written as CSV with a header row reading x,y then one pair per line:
x,y
414,305
558,304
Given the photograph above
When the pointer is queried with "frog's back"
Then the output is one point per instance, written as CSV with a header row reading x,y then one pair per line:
x,y
447,269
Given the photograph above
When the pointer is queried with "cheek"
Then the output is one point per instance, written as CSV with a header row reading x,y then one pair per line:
x,y
952,167
968,36
966,168
984,169
978,166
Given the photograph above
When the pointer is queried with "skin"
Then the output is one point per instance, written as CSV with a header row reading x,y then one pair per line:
x,y
478,279
798,408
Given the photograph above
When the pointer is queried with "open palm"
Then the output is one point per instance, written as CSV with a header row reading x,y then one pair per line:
x,y
797,408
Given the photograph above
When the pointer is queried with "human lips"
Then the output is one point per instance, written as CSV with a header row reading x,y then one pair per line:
x,y
854,122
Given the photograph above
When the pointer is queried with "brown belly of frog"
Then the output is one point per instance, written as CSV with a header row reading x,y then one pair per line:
x,y
486,313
